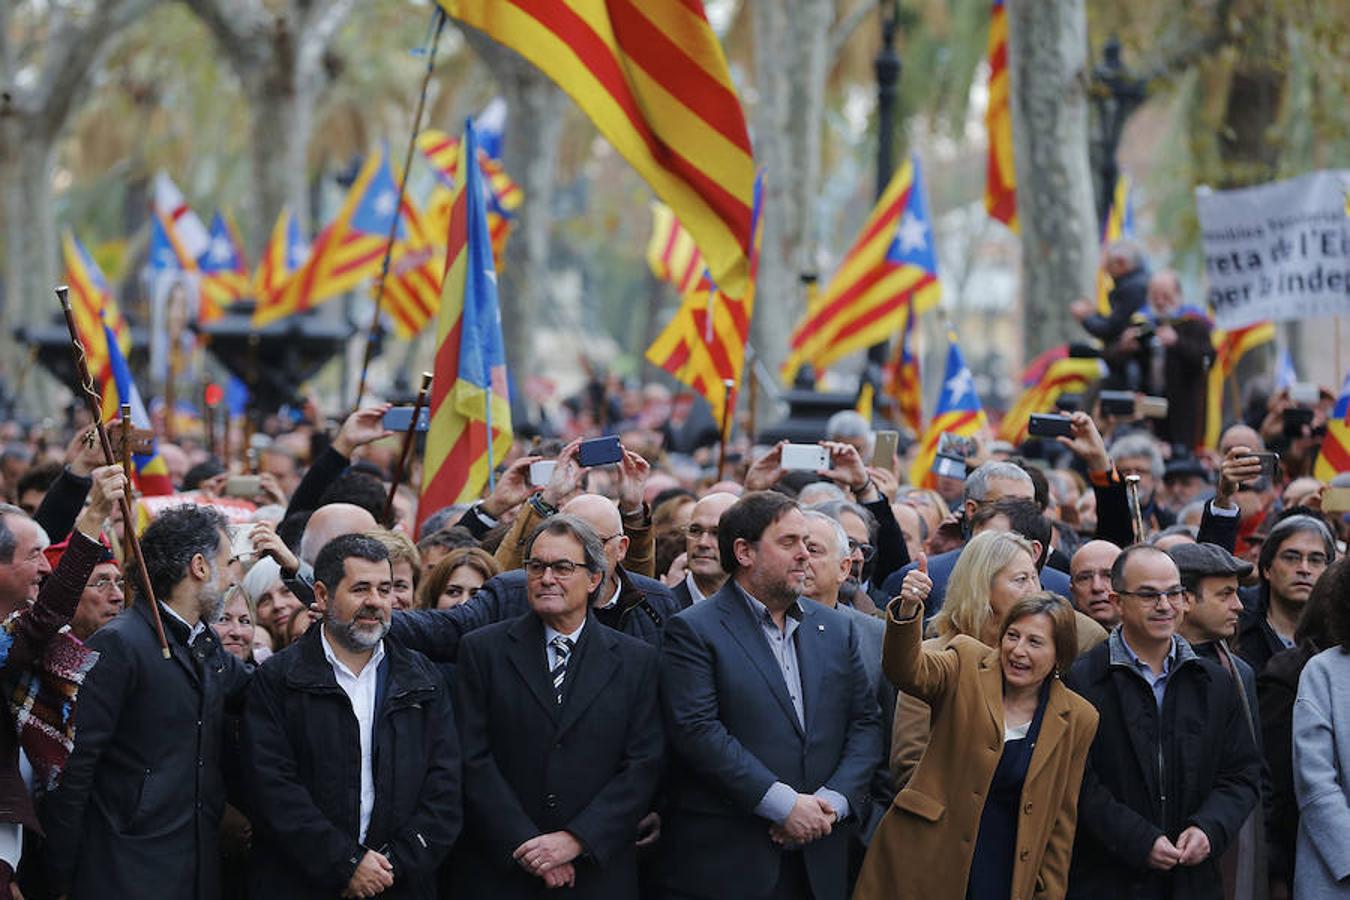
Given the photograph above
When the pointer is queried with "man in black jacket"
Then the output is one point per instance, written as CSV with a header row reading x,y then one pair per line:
x,y
1173,771
351,760
1119,330
562,734
138,809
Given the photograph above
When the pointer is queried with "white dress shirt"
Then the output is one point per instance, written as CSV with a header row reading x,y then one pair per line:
x,y
360,690
695,594
193,630
550,633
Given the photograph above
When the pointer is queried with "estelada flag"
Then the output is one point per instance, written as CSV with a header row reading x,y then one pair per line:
x,y
958,412
285,253
224,269
1335,455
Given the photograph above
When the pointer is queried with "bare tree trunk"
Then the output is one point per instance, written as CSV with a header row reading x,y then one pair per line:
x,y
33,116
1047,52
279,60
534,123
791,55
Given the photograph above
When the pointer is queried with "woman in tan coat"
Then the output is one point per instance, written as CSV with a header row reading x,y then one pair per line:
x,y
991,810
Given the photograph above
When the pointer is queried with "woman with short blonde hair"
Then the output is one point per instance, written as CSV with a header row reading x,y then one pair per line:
x,y
972,588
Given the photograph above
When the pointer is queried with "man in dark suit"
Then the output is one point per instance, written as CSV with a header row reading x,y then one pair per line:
x,y
704,575
756,810
138,809
561,733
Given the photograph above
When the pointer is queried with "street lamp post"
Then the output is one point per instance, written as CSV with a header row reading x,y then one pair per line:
x,y
887,66
1116,93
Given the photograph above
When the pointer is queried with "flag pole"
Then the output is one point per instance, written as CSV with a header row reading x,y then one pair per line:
x,y
409,438
728,410
438,24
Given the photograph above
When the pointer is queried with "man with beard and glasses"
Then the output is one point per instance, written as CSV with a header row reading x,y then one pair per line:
x,y
138,809
350,750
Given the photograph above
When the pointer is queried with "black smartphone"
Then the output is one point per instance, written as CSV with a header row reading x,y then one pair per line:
x,y
600,451
400,417
1117,403
1046,425
1295,419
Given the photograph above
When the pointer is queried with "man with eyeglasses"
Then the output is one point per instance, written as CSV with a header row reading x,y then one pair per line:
x,y
1173,771
102,599
1295,553
703,575
561,732
1090,582
1210,575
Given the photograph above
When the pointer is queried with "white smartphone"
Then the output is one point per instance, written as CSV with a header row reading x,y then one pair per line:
x,y
811,457
542,471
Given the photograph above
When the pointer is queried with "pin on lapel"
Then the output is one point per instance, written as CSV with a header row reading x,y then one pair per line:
x,y
821,627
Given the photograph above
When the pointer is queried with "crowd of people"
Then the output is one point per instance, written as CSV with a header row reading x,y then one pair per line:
x,y
662,678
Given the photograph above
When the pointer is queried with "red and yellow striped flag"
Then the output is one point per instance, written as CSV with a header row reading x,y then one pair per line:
x,y
671,253
470,410
654,80
891,268
93,305
958,412
284,254
1334,457
504,197
1229,347
1000,180
349,251
704,345
902,382
1045,378
412,292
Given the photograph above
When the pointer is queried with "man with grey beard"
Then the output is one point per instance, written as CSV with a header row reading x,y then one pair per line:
x,y
138,809
351,759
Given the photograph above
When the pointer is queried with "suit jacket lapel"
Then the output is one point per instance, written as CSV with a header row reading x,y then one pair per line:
x,y
746,631
991,685
810,635
1054,724
593,666
529,656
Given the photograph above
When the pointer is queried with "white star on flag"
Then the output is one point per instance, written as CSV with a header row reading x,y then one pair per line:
x,y
297,256
220,251
386,203
960,384
913,233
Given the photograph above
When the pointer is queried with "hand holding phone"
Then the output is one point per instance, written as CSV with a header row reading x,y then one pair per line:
x,y
1048,425
398,419
601,451
883,451
808,457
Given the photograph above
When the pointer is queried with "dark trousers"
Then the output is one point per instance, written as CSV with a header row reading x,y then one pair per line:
x,y
793,882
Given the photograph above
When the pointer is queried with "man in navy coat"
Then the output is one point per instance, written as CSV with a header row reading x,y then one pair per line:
x,y
756,808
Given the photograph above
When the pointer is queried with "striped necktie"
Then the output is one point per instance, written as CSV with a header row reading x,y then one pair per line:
x,y
562,651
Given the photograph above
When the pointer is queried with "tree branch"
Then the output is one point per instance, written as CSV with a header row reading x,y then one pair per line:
x,y
844,28
318,27
1191,52
239,27
73,50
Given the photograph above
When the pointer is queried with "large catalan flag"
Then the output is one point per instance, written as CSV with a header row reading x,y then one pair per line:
x,y
1045,378
504,194
672,254
92,303
958,412
704,344
412,291
1000,180
1335,455
890,269
224,269
654,80
350,250
903,382
470,409
284,255
1229,348
1119,224
152,474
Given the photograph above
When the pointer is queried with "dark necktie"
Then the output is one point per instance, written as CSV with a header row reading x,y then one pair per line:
x,y
562,651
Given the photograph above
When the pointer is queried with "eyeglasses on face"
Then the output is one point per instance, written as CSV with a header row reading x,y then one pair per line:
x,y
694,532
867,550
105,584
1316,559
1151,597
562,568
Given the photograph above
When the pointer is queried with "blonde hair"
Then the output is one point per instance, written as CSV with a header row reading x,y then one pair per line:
x,y
400,549
966,610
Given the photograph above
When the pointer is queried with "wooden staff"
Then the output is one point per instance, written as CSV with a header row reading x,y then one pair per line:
x,y
225,434
92,402
728,409
209,421
1136,508
438,24
752,376
409,438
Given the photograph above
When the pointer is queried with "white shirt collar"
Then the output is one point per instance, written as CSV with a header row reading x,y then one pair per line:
x,y
618,589
694,593
372,664
193,630
550,633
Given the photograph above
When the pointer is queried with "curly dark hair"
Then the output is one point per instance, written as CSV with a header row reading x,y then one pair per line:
x,y
177,535
1332,593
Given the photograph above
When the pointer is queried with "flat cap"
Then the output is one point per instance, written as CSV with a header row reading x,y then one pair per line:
x,y
1205,560
1185,467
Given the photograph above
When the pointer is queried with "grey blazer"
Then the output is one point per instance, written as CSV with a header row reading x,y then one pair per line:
x,y
1321,759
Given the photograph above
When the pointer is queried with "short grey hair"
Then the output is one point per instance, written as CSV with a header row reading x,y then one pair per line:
x,y
847,423
818,492
1133,446
575,527
840,536
1127,249
835,509
977,483
9,542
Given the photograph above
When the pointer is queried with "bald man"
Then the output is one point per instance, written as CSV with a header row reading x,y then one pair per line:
x,y
703,575
327,522
628,602
1090,582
